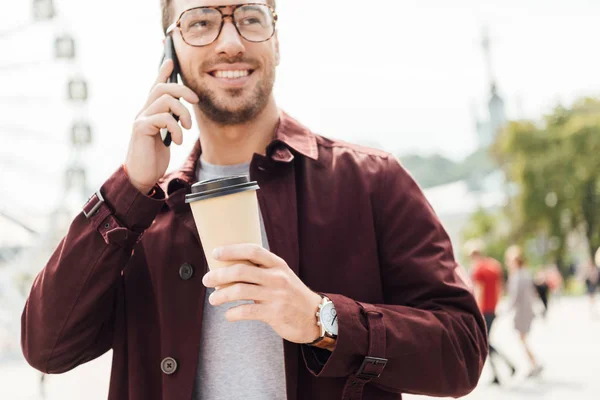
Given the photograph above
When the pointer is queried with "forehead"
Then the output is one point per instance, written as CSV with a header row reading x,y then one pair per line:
x,y
180,6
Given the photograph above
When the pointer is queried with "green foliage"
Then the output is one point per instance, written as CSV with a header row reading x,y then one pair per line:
x,y
492,228
555,164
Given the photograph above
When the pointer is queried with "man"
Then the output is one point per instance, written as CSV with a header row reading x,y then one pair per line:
x,y
345,227
488,284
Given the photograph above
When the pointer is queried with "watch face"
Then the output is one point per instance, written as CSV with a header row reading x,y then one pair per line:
x,y
329,318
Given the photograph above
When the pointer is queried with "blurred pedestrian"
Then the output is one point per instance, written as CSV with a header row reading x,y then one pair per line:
x,y
554,280
522,297
488,286
542,288
43,385
592,279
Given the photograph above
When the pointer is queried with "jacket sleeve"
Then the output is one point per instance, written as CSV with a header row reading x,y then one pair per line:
x,y
69,315
436,341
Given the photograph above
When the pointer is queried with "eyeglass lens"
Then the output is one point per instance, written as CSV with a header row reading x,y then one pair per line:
x,y
201,26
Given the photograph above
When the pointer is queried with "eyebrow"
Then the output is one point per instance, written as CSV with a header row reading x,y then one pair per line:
x,y
199,8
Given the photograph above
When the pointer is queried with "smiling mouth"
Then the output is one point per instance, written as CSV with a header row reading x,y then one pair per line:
x,y
232,74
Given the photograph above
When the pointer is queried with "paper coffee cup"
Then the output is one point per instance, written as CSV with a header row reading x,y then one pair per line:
x,y
226,212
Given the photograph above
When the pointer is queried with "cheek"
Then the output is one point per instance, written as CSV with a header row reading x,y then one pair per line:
x,y
267,54
191,62
270,62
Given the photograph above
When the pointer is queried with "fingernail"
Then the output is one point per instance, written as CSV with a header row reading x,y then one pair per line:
x,y
216,253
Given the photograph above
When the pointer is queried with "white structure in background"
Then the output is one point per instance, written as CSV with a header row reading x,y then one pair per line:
x,y
23,250
488,129
457,201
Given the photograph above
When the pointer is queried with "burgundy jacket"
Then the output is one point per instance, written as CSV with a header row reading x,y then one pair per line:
x,y
350,221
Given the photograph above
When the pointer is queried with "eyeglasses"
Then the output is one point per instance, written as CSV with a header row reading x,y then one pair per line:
x,y
201,26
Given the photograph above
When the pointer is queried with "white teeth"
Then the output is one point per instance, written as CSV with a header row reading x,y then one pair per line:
x,y
232,74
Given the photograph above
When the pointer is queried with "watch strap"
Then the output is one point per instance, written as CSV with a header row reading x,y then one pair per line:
x,y
325,342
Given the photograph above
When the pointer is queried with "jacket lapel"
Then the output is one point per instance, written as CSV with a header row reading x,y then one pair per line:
x,y
176,201
178,184
278,204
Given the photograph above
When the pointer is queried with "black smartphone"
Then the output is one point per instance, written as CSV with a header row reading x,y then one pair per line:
x,y
172,55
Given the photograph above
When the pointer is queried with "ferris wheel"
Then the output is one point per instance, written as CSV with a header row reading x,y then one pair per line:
x,y
45,132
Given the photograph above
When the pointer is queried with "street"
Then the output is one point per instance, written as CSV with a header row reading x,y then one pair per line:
x,y
567,343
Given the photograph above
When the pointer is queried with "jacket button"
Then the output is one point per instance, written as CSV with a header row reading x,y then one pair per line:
x,y
168,366
186,271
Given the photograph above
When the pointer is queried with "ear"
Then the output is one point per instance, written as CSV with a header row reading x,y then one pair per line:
x,y
277,54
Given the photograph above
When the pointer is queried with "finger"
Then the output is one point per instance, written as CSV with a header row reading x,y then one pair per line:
x,y
167,103
238,292
233,274
166,121
248,252
247,312
174,90
164,72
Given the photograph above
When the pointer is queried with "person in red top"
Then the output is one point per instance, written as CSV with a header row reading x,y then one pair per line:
x,y
488,282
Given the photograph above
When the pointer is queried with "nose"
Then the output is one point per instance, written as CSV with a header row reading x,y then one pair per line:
x,y
229,43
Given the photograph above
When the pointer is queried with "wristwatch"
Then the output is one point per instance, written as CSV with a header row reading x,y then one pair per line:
x,y
328,322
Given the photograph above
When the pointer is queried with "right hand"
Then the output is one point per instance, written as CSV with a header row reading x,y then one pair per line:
x,y
148,158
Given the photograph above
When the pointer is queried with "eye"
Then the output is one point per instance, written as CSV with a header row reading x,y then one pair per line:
x,y
250,21
200,24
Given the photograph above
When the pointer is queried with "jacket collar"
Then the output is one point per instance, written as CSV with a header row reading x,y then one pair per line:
x,y
295,138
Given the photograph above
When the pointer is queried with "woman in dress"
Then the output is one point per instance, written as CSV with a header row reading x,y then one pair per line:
x,y
522,297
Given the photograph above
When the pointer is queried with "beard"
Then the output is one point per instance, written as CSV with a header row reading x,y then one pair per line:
x,y
213,108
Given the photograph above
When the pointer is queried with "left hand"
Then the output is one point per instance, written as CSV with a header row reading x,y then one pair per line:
x,y
280,298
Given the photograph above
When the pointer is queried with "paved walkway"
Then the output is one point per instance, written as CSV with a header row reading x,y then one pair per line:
x,y
568,344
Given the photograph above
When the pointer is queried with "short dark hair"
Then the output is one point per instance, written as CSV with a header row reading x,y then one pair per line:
x,y
165,6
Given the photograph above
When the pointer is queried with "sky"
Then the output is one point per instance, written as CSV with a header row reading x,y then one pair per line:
x,y
399,75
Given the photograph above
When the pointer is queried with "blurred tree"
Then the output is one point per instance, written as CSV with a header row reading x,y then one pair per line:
x,y
430,171
493,229
556,166
434,170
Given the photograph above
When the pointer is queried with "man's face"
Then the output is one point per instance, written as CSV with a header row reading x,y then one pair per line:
x,y
217,72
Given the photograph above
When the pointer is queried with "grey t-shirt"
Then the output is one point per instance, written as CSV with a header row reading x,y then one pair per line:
x,y
239,360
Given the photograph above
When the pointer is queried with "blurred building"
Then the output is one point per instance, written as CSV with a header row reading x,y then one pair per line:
x,y
487,130
489,126
485,188
456,202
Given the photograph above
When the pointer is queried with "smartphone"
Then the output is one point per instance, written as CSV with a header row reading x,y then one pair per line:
x,y
170,54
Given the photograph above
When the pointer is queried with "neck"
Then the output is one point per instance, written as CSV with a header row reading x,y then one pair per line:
x,y
237,144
